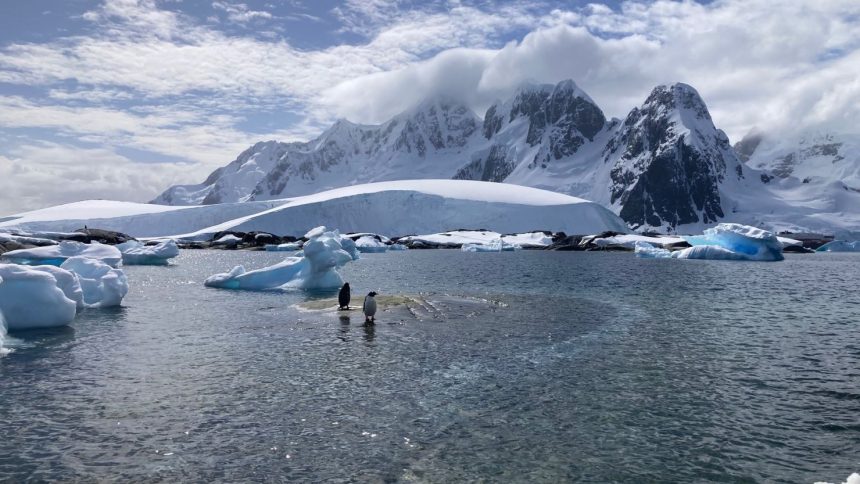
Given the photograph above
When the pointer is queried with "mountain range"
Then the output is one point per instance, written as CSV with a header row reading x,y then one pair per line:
x,y
664,167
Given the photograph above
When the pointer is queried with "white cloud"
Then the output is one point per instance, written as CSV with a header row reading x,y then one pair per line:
x,y
240,13
40,174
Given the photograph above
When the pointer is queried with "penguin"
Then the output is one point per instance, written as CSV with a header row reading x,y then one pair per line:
x,y
343,297
369,308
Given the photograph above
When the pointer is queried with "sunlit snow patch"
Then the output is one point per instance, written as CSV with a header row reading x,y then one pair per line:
x,y
57,254
724,242
135,253
315,268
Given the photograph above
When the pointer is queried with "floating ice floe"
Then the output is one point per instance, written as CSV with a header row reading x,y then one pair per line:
x,y
56,254
102,285
285,247
370,244
629,241
315,268
852,479
397,247
135,253
726,241
459,238
840,246
30,298
497,245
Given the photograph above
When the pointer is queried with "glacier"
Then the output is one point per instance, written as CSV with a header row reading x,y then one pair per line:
x,y
726,241
136,253
30,298
56,254
315,267
391,208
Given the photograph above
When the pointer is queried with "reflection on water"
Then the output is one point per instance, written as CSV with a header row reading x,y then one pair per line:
x,y
528,366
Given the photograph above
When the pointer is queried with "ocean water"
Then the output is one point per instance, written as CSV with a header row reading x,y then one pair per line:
x,y
518,367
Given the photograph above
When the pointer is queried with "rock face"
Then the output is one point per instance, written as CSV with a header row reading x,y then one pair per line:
x,y
669,161
664,166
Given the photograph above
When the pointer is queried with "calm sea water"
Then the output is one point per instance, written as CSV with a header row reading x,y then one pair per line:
x,y
590,367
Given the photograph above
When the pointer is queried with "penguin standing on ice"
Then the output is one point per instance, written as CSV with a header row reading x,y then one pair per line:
x,y
369,308
343,297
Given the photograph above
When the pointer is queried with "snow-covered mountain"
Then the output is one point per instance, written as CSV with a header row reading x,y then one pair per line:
x,y
665,166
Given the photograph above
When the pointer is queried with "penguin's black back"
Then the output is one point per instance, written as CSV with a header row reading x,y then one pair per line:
x,y
343,296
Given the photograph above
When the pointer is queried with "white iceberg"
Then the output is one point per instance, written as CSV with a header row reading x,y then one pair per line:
x,y
645,250
102,285
30,298
370,244
315,268
397,247
67,281
840,246
285,247
630,241
228,240
55,255
496,245
135,253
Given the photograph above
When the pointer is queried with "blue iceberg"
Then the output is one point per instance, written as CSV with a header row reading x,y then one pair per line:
x,y
726,241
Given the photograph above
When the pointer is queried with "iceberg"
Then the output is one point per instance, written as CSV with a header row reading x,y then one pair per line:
x,y
285,247
397,247
840,246
102,285
55,255
31,298
315,267
370,244
135,253
726,241
496,245
67,281
745,242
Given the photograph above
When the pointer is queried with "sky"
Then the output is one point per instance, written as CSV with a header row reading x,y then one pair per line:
x,y
119,99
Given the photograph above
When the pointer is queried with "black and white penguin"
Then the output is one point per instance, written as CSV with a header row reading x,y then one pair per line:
x,y
343,297
369,308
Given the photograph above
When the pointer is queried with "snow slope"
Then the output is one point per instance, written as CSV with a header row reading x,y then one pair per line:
x,y
392,208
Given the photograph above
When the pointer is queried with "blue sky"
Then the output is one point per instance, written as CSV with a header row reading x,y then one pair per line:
x,y
122,98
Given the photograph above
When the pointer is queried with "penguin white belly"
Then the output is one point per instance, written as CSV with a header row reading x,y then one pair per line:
x,y
369,306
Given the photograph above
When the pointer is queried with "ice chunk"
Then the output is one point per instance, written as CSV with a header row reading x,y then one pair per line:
x,y
349,246
3,351
645,250
135,253
55,255
369,243
285,247
840,246
397,247
852,479
496,245
30,298
68,282
748,243
710,252
102,285
316,267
